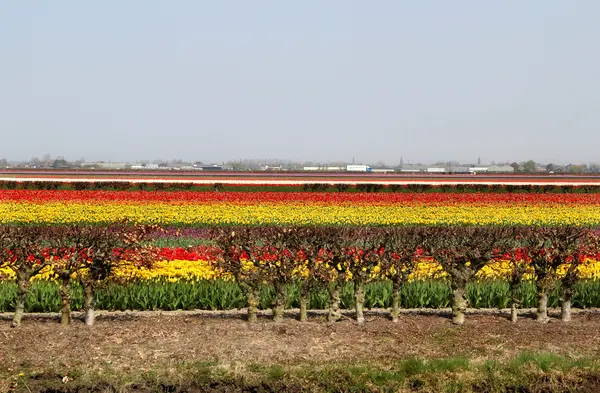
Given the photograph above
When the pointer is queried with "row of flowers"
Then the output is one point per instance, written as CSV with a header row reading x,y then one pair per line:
x,y
299,213
200,269
424,269
434,198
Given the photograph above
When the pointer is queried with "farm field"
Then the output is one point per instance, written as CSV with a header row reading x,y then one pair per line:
x,y
331,256
187,353
309,196
259,208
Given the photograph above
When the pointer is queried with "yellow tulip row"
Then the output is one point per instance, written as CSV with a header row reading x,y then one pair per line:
x,y
293,213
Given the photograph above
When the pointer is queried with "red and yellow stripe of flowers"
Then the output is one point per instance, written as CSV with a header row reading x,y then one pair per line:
x,y
212,208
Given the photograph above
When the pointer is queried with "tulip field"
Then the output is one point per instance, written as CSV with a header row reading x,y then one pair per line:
x,y
191,244
264,208
314,253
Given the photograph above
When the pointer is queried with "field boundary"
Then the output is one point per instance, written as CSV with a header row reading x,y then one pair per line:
x,y
293,313
332,181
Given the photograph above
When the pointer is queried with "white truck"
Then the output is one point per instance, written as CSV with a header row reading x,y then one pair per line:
x,y
358,168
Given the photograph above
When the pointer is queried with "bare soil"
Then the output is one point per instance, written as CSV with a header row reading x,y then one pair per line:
x,y
139,343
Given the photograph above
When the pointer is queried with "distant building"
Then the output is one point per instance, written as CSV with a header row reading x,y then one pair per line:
x,y
145,167
458,169
436,170
213,168
271,168
413,168
324,168
112,165
501,169
478,169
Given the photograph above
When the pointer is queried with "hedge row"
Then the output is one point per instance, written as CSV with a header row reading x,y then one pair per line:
x,y
309,187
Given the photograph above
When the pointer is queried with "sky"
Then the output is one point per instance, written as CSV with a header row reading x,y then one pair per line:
x,y
310,80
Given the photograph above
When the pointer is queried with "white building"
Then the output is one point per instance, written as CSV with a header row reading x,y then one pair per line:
x,y
478,169
111,165
436,170
501,169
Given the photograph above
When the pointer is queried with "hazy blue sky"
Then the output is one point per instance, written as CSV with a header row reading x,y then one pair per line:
x,y
320,80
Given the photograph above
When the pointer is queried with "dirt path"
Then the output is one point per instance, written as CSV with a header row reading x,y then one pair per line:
x,y
140,342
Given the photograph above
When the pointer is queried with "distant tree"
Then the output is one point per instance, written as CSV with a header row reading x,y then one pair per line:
x,y
35,162
238,166
60,163
516,167
550,167
529,166
577,168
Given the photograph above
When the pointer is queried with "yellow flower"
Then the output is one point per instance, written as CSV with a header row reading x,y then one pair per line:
x,y
298,213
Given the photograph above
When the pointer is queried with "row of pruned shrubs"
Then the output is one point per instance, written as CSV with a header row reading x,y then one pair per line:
x,y
452,188
95,185
308,187
327,257
315,258
85,253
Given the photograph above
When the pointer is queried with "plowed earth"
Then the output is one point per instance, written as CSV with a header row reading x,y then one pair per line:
x,y
141,343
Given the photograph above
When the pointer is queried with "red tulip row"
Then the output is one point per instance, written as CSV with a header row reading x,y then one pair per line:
x,y
45,196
